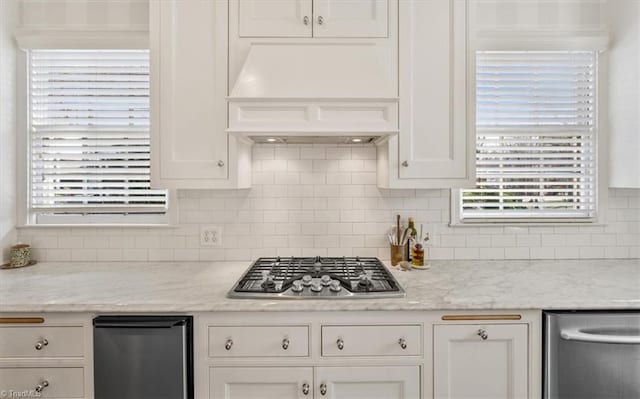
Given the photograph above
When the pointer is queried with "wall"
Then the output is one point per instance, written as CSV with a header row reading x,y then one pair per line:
x,y
322,200
8,18
106,15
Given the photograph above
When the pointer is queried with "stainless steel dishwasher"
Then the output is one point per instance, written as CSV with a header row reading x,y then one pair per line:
x,y
143,357
592,355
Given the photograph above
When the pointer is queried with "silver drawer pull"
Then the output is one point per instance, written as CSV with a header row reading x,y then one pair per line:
x,y
228,344
305,20
41,344
285,343
41,386
320,20
340,343
323,389
403,343
482,333
305,389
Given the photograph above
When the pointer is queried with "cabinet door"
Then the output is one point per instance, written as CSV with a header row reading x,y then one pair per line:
x,y
395,382
260,382
468,366
275,18
435,141
350,18
188,89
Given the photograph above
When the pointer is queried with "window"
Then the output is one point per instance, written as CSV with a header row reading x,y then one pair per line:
x,y
89,138
536,137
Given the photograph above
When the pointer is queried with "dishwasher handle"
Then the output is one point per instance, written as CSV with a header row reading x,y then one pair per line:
x,y
583,336
137,322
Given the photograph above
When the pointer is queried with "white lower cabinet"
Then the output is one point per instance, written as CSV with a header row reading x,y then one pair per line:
x,y
475,361
377,382
46,356
43,382
260,382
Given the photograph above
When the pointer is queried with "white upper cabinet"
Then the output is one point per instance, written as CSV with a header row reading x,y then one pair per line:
x,y
190,145
436,144
350,18
481,362
275,18
317,18
624,94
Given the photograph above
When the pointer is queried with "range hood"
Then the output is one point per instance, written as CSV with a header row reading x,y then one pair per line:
x,y
315,90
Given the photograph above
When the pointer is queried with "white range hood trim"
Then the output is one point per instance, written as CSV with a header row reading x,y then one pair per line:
x,y
314,117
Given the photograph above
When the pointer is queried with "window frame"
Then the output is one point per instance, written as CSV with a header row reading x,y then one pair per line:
x,y
79,41
542,42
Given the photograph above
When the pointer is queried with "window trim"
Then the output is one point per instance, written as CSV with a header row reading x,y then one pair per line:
x,y
596,43
82,40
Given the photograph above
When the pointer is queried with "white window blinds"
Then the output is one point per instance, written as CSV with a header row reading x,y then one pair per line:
x,y
89,133
536,127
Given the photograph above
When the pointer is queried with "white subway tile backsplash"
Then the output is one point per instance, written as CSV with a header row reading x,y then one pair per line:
x,y
323,200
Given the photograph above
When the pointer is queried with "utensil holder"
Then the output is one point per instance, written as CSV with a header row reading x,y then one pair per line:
x,y
397,253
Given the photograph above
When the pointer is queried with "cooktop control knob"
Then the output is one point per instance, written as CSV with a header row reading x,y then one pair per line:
x,y
325,279
306,279
316,287
335,286
297,286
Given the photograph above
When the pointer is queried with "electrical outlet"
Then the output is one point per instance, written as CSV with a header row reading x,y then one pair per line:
x,y
210,236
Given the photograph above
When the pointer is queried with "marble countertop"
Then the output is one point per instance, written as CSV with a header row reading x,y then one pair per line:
x,y
202,286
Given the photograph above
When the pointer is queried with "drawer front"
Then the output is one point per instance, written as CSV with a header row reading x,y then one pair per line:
x,y
389,340
37,342
258,341
63,382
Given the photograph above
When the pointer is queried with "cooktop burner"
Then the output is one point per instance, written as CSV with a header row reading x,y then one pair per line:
x,y
317,278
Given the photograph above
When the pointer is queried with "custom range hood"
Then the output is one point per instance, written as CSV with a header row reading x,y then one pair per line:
x,y
315,92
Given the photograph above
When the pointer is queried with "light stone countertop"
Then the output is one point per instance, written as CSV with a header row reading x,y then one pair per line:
x,y
202,286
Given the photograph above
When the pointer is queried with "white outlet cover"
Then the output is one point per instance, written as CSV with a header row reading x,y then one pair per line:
x,y
210,236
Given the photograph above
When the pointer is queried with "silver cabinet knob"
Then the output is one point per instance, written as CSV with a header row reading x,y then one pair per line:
x,y
305,20
228,344
482,333
41,344
323,389
405,163
221,163
340,343
320,20
305,389
285,343
41,386
403,343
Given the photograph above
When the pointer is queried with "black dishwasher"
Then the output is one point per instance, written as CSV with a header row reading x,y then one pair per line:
x,y
143,357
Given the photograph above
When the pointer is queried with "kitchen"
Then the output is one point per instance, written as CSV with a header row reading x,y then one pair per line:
x,y
199,199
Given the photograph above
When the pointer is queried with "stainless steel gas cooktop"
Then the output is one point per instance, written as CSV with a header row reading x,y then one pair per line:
x,y
317,278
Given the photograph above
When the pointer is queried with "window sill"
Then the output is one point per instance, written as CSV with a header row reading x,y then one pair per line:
x,y
97,225
574,223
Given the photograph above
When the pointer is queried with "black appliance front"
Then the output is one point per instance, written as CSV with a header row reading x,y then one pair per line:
x,y
143,357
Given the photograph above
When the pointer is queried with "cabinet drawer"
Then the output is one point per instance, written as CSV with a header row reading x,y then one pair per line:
x,y
258,341
59,382
24,342
389,340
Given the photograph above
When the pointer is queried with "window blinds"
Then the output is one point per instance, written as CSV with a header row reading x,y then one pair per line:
x,y
89,132
535,126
